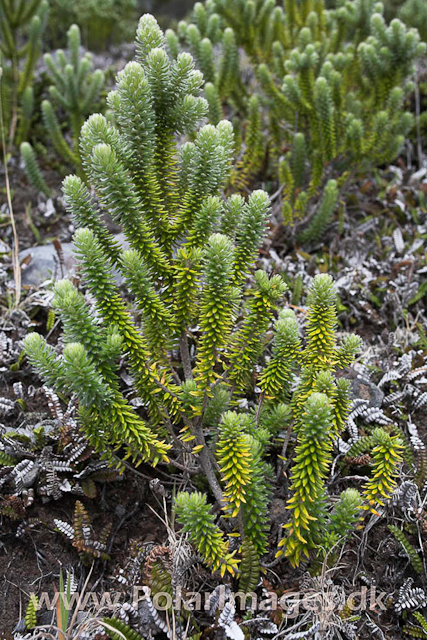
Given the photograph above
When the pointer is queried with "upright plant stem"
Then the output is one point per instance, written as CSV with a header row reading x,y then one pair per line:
x,y
14,118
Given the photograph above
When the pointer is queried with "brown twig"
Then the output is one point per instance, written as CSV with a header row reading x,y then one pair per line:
x,y
185,356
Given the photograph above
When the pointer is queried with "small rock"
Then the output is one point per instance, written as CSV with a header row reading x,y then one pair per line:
x,y
50,209
120,511
31,476
43,263
367,390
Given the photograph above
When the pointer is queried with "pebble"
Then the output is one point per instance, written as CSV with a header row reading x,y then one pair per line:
x,y
44,263
367,390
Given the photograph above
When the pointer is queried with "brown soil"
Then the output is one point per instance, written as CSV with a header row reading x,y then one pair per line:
x,y
33,563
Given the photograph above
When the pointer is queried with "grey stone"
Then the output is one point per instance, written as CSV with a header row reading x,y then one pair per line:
x,y
367,390
120,511
31,476
44,263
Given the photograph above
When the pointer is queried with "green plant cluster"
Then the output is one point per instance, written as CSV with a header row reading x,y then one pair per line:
x,y
416,631
73,94
22,25
333,86
414,14
103,22
74,91
207,334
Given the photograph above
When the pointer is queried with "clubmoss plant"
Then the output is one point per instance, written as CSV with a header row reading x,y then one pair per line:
x,y
32,168
386,457
75,91
102,22
22,25
196,341
194,512
333,87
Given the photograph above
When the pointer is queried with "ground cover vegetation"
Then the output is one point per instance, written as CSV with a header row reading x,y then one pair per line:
x,y
226,392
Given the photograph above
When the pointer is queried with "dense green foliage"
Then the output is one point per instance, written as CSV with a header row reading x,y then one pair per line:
x,y
219,371
103,22
22,25
75,90
333,89
414,14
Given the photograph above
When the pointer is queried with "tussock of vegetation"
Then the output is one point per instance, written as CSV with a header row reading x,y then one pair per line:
x,y
204,353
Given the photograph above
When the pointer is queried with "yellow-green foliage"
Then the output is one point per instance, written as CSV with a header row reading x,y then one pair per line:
x,y
248,342
233,453
413,556
31,612
194,513
75,87
277,375
321,355
164,194
123,630
32,169
197,342
311,463
416,631
249,567
320,405
386,458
